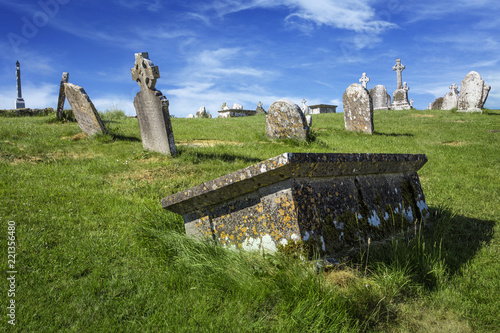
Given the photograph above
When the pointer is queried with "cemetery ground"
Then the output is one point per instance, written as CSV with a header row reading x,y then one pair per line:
x,y
96,253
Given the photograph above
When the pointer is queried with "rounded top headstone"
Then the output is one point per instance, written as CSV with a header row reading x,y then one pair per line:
x,y
286,119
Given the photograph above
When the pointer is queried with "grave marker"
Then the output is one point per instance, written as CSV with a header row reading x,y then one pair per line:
x,y
285,120
62,95
358,109
152,108
83,109
332,202
364,80
400,95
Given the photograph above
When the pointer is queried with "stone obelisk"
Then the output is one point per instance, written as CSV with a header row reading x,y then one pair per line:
x,y
19,101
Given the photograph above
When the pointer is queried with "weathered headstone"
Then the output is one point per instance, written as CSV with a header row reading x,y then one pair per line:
x,y
400,95
304,107
260,109
62,95
202,113
364,80
152,108
331,202
358,109
450,100
83,109
474,93
285,120
19,101
437,104
379,98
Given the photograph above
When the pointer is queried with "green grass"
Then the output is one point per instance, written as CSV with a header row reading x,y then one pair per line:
x,y
96,253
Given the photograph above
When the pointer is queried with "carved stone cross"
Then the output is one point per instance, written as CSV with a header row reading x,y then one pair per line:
x,y
364,80
304,101
399,68
454,88
144,72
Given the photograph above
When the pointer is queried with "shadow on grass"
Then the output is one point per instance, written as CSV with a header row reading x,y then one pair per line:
x,y
393,134
196,156
439,251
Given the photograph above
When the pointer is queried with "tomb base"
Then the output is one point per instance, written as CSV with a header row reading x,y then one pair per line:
x,y
330,202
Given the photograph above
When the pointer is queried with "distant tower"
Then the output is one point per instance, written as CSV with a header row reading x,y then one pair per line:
x,y
19,101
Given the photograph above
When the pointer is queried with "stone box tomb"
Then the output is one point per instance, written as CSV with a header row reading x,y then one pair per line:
x,y
330,201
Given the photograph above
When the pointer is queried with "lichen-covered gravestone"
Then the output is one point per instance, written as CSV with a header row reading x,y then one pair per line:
x,y
285,120
380,98
152,108
83,109
62,95
474,93
450,100
358,109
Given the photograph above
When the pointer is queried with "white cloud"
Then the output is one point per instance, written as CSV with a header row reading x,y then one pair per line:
x,y
356,15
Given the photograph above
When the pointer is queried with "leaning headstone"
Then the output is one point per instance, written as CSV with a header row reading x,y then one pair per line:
x,y
285,120
400,95
330,202
358,109
260,109
83,109
486,91
379,98
437,104
62,95
152,108
450,100
474,93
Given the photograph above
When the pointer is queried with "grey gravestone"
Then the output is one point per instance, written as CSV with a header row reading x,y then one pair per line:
x,y
304,107
152,108
83,109
474,93
62,95
19,101
285,119
437,104
202,113
260,109
450,100
333,202
364,80
358,109
400,95
379,98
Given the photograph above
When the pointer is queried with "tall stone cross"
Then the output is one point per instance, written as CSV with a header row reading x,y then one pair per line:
x,y
399,68
152,108
454,88
19,101
364,80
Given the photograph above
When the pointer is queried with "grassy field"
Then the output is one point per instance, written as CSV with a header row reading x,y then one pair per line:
x,y
96,253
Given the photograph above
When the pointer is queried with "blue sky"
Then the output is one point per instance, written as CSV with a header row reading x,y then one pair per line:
x,y
214,51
